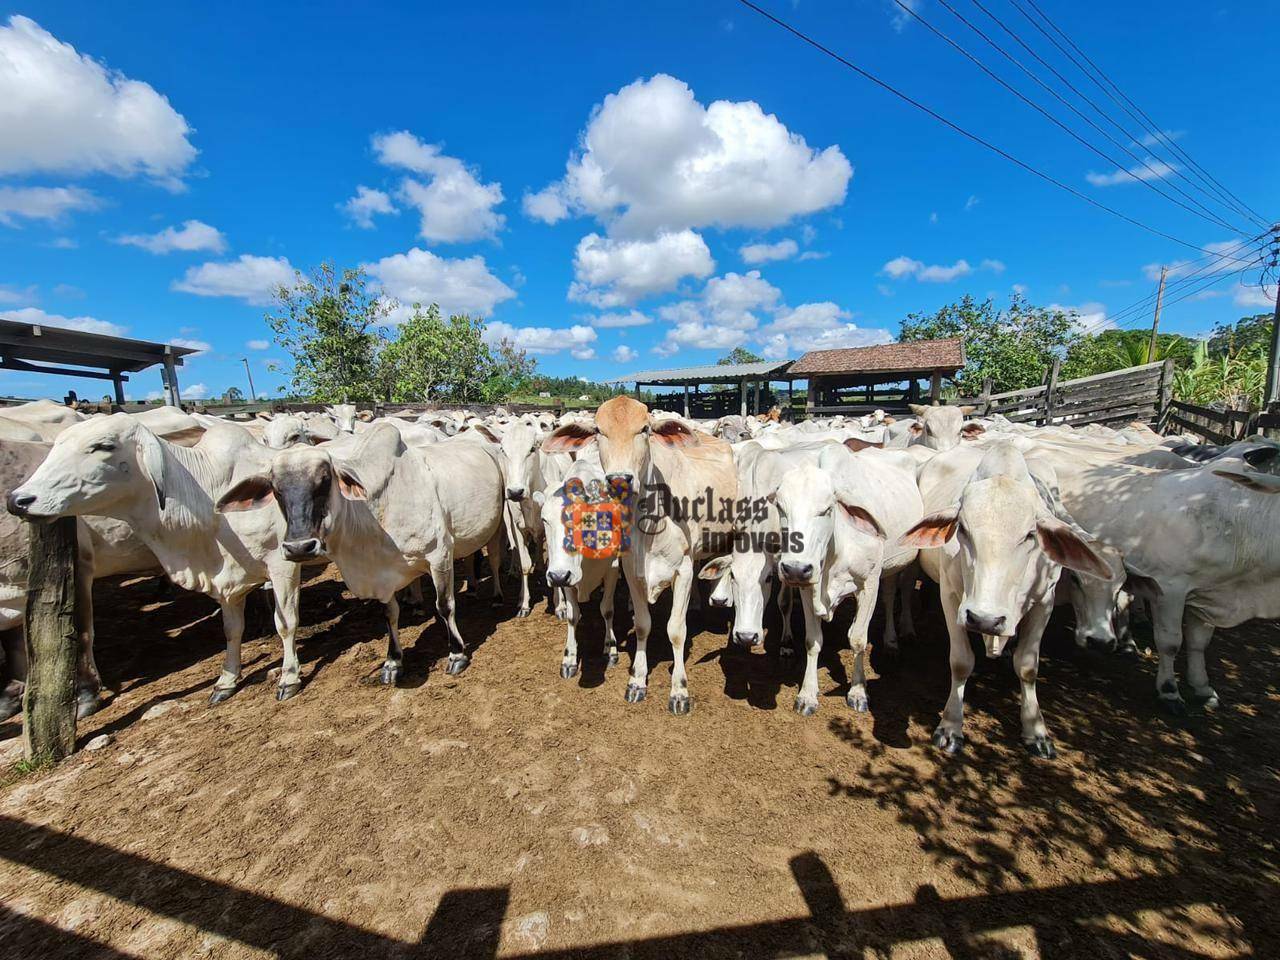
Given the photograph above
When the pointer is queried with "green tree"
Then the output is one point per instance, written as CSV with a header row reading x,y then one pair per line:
x,y
329,324
234,395
1117,349
1012,347
510,371
739,355
431,358
1247,335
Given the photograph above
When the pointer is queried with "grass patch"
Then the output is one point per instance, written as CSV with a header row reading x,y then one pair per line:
x,y
26,768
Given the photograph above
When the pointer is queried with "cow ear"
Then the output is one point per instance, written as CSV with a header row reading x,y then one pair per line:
x,y
971,430
1262,482
486,433
153,461
863,520
673,433
933,531
264,414
715,569
1139,584
1066,547
917,408
248,494
1260,456
854,444
570,437
365,416
967,409
916,429
349,484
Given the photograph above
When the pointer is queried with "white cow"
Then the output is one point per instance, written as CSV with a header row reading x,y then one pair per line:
x,y
386,514
114,466
991,541
521,460
578,577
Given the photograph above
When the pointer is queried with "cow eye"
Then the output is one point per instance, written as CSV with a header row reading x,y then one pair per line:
x,y
106,446
826,512
1029,537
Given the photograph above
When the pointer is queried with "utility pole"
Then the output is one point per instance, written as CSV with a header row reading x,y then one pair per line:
x,y
1272,396
247,373
1155,323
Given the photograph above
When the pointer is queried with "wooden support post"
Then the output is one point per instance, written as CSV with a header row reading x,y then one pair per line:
x,y
637,389
1166,394
686,399
1155,321
1271,398
1051,385
119,384
988,386
53,643
935,388
174,395
811,398
742,398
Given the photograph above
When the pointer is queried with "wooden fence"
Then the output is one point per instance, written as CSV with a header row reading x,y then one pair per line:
x,y
1120,396
1219,426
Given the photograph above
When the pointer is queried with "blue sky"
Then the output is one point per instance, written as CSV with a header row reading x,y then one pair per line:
x,y
617,186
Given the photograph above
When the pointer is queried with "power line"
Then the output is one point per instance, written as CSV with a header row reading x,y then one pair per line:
x,y
1125,102
884,85
1143,162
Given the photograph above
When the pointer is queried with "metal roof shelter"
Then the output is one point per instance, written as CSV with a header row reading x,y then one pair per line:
x,y
728,373
35,348
831,371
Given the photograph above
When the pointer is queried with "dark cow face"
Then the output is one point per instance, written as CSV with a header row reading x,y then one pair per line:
x,y
309,488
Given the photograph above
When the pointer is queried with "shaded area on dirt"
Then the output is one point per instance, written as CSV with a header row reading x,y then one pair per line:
x,y
506,811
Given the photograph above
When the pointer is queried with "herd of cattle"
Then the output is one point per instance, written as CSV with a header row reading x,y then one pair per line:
x,y
1009,520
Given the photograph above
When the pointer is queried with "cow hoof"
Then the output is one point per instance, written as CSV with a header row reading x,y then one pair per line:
x,y
1173,705
522,612
287,691
562,612
679,704
611,658
568,670
857,702
390,673
87,704
804,707
220,694
457,663
786,651
635,693
1208,700
948,742
1041,747
1127,647
9,707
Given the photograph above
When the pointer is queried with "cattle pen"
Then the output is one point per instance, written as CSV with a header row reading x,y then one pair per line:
x,y
512,812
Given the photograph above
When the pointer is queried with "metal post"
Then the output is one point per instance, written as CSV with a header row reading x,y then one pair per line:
x,y
252,393
1272,396
171,382
742,397
119,389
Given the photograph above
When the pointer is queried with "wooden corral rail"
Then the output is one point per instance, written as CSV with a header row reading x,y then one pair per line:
x,y
1219,426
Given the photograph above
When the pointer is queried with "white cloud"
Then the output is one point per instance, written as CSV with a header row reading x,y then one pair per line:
x,y
1234,254
900,268
64,112
252,279
653,159
835,338
754,253
577,339
971,203
1251,296
454,205
623,354
458,286
62,243
197,391
815,326
813,255
258,345
1152,169
633,318
10,294
614,273
83,324
995,266
42,203
1089,316
191,236
899,17
197,345
367,202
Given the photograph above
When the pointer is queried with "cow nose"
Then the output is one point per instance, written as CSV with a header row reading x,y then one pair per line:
x,y
796,572
744,638
301,549
984,623
1104,644
719,601
515,493
19,503
558,578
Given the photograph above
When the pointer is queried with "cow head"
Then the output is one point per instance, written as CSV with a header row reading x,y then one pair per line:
x,y
809,507
624,434
941,428
742,581
285,431
518,452
98,466
308,485
344,415
1095,600
1000,538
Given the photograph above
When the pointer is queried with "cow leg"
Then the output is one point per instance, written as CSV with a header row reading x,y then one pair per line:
x,y
15,673
494,553
856,698
569,663
949,735
1198,634
606,612
395,654
1026,663
786,603
638,681
233,629
442,577
807,698
907,594
469,576
888,590
1166,621
682,588
286,586
1122,620
88,681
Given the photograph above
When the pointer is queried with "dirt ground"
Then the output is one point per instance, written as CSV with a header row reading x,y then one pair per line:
x,y
507,812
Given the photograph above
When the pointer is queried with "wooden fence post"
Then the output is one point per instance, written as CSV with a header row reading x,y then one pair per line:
x,y
988,386
53,644
1051,384
1166,394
